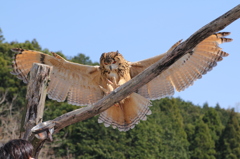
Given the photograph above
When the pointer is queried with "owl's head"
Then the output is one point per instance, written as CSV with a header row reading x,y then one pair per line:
x,y
111,60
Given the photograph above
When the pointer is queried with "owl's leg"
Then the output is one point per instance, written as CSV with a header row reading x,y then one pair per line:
x,y
108,91
114,84
111,85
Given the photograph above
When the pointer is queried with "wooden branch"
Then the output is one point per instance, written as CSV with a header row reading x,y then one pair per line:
x,y
150,73
3,97
36,95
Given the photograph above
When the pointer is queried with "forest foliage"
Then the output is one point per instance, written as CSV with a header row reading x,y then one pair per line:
x,y
175,129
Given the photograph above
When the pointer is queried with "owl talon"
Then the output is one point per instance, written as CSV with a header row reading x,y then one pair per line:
x,y
113,83
116,105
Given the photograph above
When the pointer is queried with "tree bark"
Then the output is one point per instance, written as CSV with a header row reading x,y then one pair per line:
x,y
36,95
147,75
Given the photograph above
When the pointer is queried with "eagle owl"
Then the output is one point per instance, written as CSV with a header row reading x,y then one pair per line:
x,y
84,85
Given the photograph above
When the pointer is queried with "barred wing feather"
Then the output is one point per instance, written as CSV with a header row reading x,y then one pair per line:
x,y
184,71
78,83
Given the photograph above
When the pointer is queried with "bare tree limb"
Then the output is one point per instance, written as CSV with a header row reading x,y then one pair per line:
x,y
7,118
150,73
3,97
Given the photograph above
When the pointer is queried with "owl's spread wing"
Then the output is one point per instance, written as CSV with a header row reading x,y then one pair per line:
x,y
78,83
184,71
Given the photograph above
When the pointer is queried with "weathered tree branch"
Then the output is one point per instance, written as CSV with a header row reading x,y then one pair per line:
x,y
150,73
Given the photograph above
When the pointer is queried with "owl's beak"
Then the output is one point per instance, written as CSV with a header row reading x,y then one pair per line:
x,y
110,67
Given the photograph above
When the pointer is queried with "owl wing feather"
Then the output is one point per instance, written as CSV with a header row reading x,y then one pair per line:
x,y
184,71
76,82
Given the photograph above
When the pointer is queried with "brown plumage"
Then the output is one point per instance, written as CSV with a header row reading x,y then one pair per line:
x,y
85,85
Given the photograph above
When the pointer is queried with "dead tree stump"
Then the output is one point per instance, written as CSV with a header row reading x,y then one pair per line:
x,y
36,95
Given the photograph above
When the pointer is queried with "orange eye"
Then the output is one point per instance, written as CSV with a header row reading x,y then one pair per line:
x,y
105,63
114,62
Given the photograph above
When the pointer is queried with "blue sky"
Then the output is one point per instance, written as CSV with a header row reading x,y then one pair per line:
x,y
138,29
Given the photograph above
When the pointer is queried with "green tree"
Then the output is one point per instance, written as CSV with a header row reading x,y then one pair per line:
x,y
212,119
202,146
174,142
230,139
161,136
36,45
1,36
205,106
82,59
189,111
223,114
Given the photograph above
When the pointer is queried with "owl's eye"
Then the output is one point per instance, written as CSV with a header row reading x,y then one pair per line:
x,y
105,63
114,62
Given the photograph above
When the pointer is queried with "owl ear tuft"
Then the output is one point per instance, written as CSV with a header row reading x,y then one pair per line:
x,y
103,56
117,53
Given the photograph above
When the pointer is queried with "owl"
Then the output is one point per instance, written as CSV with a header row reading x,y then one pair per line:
x,y
84,85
